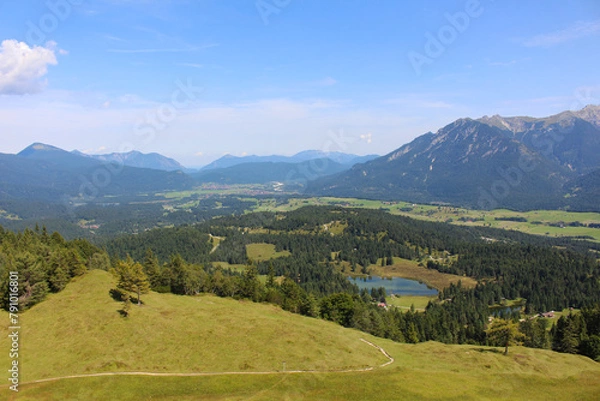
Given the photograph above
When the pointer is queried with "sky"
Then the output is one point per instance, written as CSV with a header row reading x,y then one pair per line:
x,y
197,79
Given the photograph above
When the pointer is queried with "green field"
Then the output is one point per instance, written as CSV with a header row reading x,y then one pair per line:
x,y
554,223
406,302
261,252
537,221
226,342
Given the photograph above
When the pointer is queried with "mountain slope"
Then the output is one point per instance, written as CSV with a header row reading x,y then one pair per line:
x,y
571,139
517,162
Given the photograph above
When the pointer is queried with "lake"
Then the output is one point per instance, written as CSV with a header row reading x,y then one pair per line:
x,y
394,285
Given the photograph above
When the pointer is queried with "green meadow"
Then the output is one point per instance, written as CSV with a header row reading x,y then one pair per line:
x,y
261,252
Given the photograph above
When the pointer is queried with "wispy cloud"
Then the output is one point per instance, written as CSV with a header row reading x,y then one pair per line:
x,y
502,63
162,50
114,38
193,65
328,81
578,30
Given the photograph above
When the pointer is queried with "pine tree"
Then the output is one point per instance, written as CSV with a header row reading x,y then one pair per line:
x,y
131,277
503,333
152,269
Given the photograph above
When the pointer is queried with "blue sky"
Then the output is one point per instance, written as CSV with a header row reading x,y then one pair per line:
x,y
196,79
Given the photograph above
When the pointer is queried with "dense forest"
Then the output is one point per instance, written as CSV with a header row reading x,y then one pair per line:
x,y
316,243
45,263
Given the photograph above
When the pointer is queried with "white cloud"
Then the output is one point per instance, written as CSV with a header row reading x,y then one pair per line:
x,y
578,30
368,138
22,68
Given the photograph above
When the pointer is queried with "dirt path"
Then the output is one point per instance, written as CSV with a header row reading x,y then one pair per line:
x,y
214,248
198,374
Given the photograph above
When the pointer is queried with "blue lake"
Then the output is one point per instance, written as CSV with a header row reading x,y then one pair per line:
x,y
394,285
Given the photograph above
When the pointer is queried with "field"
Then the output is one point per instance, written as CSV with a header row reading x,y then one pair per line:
x,y
241,351
406,302
261,252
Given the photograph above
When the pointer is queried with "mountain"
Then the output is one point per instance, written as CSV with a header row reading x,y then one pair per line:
x,y
265,172
46,173
570,138
583,193
338,157
516,162
51,154
137,159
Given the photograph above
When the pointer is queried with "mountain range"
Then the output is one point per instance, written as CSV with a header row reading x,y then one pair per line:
x,y
304,156
520,163
49,174
138,159
516,162
46,173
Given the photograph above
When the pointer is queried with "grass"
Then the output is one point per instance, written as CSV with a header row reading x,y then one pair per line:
x,y
261,252
411,270
405,302
428,371
234,267
79,331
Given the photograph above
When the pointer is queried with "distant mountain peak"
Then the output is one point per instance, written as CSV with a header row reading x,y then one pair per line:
x,y
590,113
37,147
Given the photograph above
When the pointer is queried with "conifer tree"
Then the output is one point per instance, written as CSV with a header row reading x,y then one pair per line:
x,y
131,277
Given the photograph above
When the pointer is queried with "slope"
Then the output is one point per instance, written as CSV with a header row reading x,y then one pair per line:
x,y
80,331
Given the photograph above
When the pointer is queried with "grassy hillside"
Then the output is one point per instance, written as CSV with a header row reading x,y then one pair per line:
x,y
79,331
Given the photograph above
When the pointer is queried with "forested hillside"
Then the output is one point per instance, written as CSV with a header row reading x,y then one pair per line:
x,y
313,250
